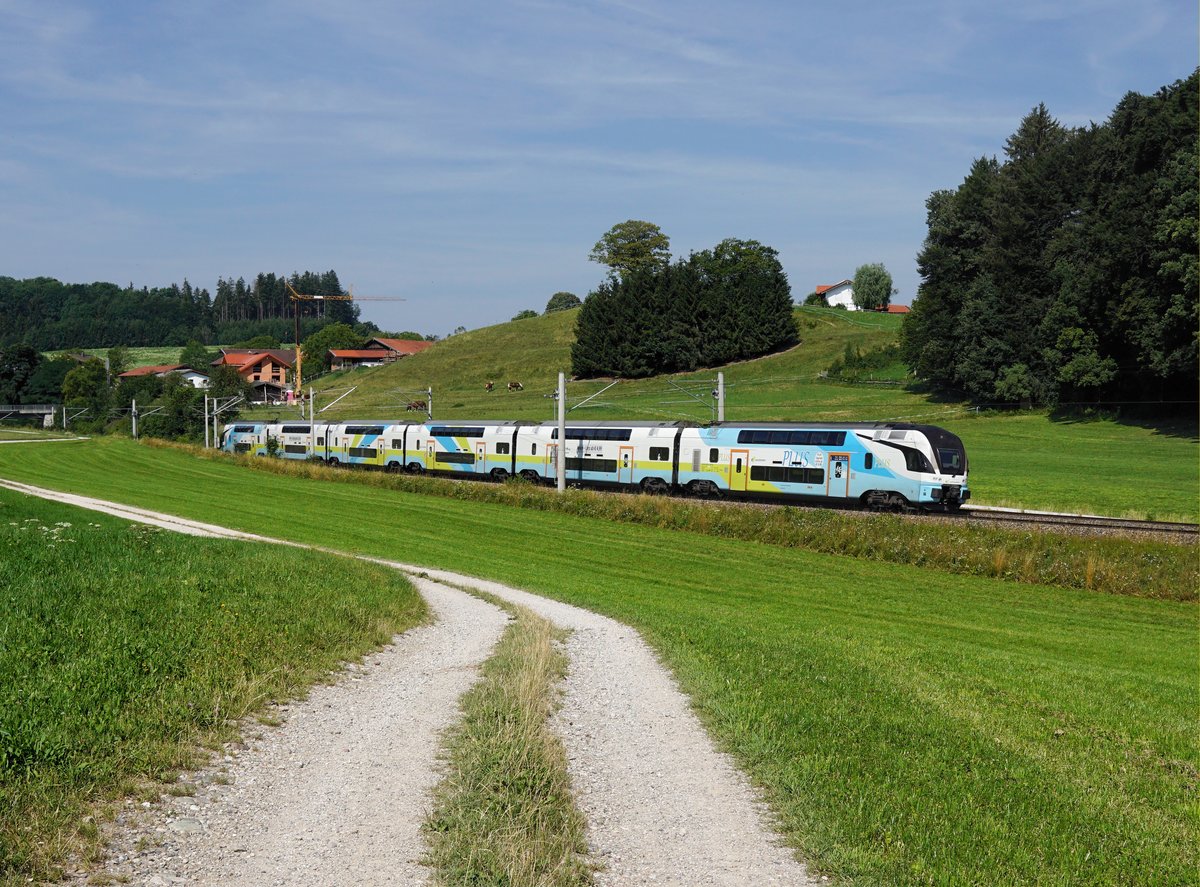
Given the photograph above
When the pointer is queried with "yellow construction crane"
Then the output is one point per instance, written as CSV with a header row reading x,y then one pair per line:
x,y
297,298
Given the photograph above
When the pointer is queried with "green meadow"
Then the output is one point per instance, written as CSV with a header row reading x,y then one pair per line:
x,y
907,725
124,648
1031,460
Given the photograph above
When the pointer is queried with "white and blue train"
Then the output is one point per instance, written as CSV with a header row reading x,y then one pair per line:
x,y
882,466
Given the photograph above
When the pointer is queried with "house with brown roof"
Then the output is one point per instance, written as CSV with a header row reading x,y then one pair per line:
x,y
193,377
398,347
266,369
897,309
350,358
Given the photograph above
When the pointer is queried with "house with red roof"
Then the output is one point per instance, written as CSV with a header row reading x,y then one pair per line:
x,y
840,293
193,377
266,369
351,358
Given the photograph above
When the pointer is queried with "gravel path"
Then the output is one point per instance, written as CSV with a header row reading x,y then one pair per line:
x,y
663,805
336,797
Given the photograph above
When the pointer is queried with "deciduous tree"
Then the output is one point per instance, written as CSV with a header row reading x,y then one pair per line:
x,y
631,246
872,287
561,301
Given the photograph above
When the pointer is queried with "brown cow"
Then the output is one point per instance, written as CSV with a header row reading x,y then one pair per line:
x,y
417,406
489,386
515,386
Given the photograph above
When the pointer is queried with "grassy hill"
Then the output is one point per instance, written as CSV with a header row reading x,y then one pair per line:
x,y
534,351
1022,459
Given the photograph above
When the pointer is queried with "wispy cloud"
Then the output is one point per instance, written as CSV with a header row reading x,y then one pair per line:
x,y
384,139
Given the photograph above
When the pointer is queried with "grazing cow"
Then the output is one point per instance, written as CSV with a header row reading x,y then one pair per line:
x,y
417,406
515,386
489,386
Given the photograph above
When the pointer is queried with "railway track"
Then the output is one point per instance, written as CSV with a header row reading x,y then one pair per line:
x,y
1176,531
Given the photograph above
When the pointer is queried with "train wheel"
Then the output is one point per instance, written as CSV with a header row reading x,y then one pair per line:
x,y
499,475
392,467
333,461
532,476
414,468
654,486
704,489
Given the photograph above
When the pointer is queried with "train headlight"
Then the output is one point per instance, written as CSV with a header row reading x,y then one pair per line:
x,y
937,493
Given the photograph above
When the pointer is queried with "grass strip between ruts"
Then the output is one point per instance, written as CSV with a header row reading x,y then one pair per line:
x,y
503,812
124,649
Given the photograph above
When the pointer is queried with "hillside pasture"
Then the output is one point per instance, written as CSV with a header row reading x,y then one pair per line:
x,y
1030,460
906,725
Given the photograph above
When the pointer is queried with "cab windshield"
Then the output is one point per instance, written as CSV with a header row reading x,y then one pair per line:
x,y
951,461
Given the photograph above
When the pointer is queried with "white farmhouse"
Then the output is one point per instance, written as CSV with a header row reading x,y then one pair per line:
x,y
840,293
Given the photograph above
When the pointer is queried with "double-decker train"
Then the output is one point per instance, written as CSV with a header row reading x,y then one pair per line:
x,y
881,466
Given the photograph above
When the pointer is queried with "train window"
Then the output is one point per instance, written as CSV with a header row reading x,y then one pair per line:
x,y
418,445
659,454
364,429
456,431
738,467
606,466
244,429
456,458
869,461
294,429
320,441
594,434
951,461
295,448
714,454
916,461
533,449
502,449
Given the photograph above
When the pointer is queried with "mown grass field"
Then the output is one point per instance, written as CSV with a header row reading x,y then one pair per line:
x,y
1029,460
14,433
124,647
907,725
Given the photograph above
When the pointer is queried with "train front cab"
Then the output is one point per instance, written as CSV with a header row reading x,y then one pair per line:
x,y
927,464
245,437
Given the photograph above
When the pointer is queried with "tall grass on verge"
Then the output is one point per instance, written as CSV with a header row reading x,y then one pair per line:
x,y
124,649
1104,564
503,813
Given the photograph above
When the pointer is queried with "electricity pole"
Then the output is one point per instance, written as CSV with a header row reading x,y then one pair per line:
x,y
720,397
562,432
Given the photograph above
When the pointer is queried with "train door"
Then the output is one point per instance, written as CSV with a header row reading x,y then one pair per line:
x,y
551,472
430,449
838,479
481,457
625,466
739,469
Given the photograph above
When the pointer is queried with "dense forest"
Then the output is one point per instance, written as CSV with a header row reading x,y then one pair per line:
x,y
1067,272
728,303
50,315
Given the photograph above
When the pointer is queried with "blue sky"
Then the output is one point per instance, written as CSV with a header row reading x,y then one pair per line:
x,y
466,155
